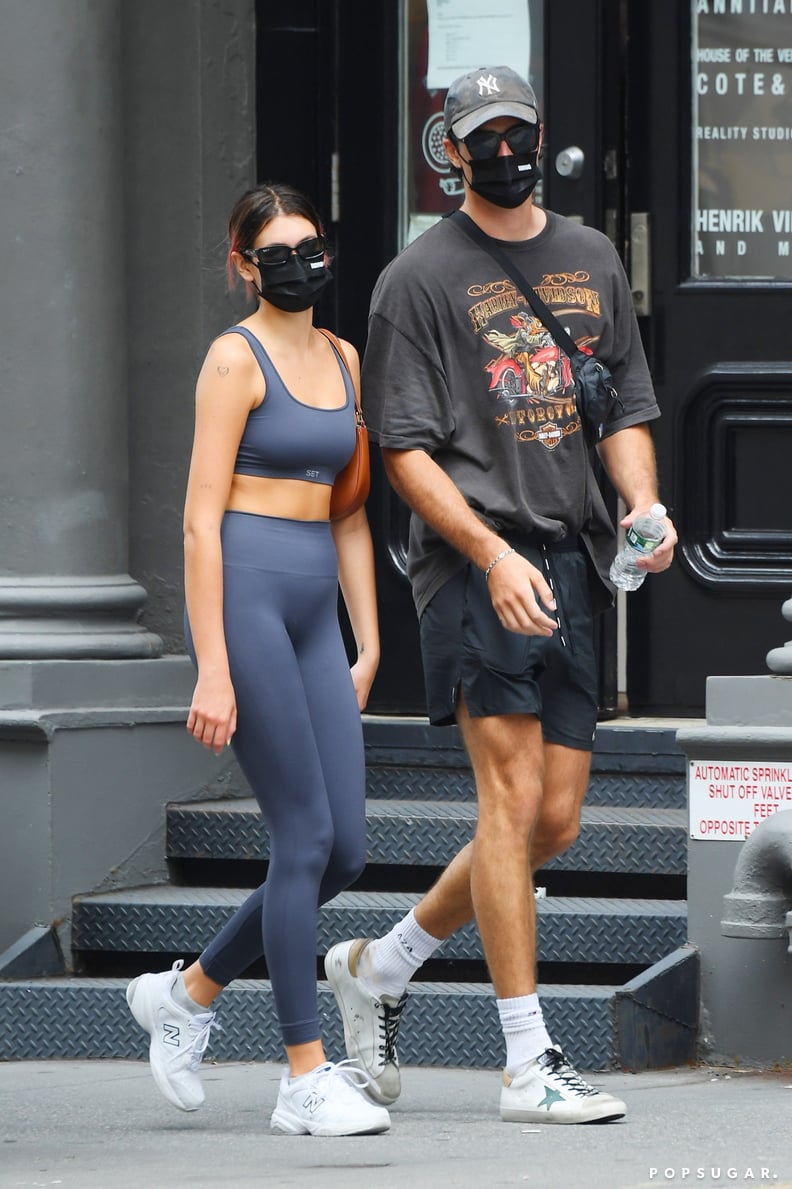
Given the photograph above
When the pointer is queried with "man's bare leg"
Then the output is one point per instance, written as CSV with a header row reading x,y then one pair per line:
x,y
507,756
493,873
534,1085
513,783
448,905
565,784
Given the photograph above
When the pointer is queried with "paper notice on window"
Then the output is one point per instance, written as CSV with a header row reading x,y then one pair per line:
x,y
466,34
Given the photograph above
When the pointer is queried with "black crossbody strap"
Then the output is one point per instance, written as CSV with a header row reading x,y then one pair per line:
x,y
549,320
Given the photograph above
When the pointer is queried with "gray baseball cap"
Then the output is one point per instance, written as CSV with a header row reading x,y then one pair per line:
x,y
485,94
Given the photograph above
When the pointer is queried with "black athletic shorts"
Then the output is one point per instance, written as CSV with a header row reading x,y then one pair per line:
x,y
500,672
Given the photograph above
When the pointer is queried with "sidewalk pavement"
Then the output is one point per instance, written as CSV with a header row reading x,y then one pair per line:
x,y
102,1124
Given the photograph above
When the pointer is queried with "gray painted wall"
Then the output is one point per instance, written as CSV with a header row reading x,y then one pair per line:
x,y
90,754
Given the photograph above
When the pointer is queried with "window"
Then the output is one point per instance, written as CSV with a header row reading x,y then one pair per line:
x,y
442,39
742,139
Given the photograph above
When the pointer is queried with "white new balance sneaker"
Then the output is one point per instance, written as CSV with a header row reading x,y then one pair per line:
x,y
549,1090
371,1023
327,1101
178,1037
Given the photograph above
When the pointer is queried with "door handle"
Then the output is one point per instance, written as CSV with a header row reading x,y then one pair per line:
x,y
570,161
640,271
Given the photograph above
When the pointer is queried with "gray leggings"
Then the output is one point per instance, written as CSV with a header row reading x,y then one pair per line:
x,y
299,742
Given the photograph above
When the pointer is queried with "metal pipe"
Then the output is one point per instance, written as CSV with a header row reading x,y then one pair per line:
x,y
760,902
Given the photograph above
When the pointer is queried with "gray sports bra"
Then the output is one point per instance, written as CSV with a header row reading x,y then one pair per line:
x,y
286,439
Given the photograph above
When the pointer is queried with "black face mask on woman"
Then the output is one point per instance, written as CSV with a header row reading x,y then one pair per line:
x,y
505,181
293,284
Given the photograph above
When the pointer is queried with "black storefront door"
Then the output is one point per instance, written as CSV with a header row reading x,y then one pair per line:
x,y
708,126
692,193
695,193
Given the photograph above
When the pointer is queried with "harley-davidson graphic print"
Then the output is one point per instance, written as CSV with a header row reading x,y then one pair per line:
x,y
530,376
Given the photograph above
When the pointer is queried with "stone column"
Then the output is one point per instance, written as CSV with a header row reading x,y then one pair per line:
x,y
64,587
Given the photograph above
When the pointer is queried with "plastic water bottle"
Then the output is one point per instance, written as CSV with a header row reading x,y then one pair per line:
x,y
642,537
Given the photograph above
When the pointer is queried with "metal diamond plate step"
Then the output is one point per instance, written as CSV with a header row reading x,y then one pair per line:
x,y
174,920
421,810
637,841
420,833
452,1025
631,765
620,746
660,790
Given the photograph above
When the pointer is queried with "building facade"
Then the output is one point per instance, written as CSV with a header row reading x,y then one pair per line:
x,y
130,128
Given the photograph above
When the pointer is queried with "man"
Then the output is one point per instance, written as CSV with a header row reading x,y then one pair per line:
x,y
509,550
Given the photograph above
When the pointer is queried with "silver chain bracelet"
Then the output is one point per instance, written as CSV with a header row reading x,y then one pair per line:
x,y
494,562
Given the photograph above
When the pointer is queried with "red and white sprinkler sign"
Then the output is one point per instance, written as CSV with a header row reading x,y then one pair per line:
x,y
729,799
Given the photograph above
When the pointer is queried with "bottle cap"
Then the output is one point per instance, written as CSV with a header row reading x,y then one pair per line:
x,y
658,511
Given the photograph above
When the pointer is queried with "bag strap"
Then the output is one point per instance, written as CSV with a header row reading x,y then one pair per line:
x,y
332,338
548,319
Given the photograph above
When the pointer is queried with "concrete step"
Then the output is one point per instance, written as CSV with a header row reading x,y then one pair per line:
x,y
444,1024
420,833
179,920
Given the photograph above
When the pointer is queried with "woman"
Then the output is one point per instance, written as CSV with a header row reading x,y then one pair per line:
x,y
274,424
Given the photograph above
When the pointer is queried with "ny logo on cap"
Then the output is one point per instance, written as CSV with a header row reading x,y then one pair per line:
x,y
486,86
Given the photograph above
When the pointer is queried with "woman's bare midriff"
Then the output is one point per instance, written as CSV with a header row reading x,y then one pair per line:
x,y
289,499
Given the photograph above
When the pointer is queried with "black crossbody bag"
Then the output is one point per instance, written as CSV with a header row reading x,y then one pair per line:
x,y
595,392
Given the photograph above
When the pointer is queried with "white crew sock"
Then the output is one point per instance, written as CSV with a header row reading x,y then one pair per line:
x,y
309,1074
182,999
523,1029
387,964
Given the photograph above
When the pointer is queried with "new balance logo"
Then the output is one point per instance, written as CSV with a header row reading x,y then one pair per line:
x,y
170,1034
488,85
313,1101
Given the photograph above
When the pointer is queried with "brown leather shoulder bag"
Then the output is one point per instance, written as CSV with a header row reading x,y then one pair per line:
x,y
351,487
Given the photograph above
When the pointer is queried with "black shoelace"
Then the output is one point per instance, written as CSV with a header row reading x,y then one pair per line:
x,y
556,1063
389,1027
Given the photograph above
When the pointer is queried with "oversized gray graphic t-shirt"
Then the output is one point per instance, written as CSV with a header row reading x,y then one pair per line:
x,y
458,365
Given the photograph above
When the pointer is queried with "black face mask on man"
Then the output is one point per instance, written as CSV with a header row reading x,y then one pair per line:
x,y
505,181
292,279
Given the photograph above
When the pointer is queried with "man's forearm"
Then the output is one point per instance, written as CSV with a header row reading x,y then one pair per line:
x,y
629,459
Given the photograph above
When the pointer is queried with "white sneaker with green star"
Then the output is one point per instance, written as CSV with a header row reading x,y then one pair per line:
x,y
549,1090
